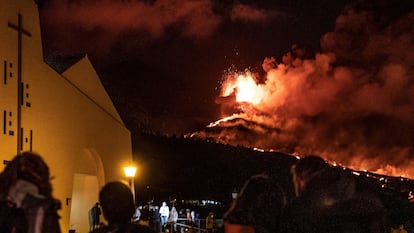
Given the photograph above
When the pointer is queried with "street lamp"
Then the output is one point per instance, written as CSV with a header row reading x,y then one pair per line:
x,y
130,174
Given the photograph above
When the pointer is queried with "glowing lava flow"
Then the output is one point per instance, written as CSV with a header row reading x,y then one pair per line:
x,y
299,110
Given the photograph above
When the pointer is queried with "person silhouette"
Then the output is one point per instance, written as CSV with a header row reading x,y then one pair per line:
x,y
118,208
210,222
94,214
329,199
164,212
26,201
257,208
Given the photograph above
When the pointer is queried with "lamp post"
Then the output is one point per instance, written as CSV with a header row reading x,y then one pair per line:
x,y
130,174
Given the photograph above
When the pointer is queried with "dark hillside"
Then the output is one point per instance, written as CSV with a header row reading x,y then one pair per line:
x,y
189,168
182,168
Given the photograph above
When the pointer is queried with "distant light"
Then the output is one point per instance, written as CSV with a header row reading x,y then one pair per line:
x,y
356,173
201,202
410,195
258,149
234,194
130,171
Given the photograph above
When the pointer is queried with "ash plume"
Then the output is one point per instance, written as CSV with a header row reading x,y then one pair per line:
x,y
109,22
242,12
352,103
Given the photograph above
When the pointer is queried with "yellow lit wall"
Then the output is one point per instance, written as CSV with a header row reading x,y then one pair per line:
x,y
67,118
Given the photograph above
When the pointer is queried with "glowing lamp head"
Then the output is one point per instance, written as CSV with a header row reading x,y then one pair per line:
x,y
130,171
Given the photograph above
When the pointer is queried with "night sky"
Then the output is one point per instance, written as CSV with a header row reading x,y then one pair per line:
x,y
346,92
163,62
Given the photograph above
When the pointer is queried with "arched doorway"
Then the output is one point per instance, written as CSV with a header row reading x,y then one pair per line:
x,y
87,181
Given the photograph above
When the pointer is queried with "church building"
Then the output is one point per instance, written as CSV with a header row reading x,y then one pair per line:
x,y
67,117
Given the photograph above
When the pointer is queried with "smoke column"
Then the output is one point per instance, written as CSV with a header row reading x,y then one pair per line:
x,y
352,103
72,24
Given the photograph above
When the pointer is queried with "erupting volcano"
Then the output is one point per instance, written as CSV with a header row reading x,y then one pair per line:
x,y
352,103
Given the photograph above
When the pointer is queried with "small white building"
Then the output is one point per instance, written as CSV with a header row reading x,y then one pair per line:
x,y
68,117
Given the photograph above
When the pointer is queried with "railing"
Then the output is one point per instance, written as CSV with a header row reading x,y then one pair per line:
x,y
199,226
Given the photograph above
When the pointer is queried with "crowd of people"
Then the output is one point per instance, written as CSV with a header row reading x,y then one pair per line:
x,y
327,200
164,219
157,218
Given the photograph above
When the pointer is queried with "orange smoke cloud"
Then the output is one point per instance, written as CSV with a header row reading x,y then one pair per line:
x,y
69,26
196,17
248,13
352,104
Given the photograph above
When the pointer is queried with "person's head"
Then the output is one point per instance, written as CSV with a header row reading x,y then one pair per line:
x,y
305,169
117,202
27,166
258,205
164,203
